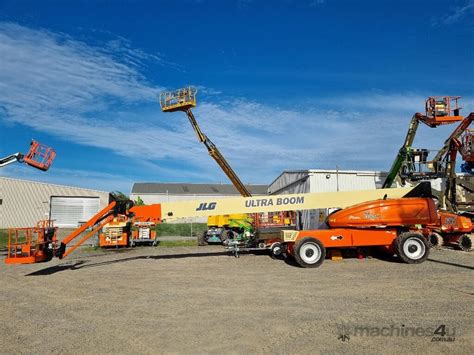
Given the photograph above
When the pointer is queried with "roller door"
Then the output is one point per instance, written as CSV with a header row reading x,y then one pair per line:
x,y
71,211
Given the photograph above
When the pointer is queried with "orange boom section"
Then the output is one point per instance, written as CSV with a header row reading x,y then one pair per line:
x,y
380,213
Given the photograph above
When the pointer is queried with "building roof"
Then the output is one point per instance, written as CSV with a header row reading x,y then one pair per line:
x,y
48,184
173,188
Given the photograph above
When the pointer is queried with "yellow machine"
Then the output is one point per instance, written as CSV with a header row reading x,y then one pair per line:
x,y
218,226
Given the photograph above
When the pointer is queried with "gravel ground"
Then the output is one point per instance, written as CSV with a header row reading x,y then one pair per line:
x,y
198,299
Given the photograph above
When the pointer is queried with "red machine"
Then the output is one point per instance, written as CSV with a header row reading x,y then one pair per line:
x,y
383,223
451,229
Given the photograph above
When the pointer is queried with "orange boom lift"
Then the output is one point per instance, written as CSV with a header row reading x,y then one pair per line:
x,y
413,165
391,223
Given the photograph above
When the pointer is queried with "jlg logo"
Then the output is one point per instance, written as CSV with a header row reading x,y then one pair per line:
x,y
205,206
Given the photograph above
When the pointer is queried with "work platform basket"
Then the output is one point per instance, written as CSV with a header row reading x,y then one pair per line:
x,y
39,156
30,245
178,100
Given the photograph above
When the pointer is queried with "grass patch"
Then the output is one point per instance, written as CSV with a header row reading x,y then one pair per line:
x,y
177,243
180,229
91,249
3,238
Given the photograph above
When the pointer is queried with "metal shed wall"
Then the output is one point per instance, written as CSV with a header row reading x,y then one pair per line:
x,y
25,202
303,181
332,180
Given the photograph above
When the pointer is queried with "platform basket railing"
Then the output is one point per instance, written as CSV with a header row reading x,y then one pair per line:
x,y
39,156
178,100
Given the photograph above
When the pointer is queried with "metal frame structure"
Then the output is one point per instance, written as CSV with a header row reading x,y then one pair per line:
x,y
407,164
39,156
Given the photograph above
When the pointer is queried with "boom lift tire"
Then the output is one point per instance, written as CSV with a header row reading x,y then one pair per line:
x,y
436,240
412,248
465,242
202,239
225,237
309,252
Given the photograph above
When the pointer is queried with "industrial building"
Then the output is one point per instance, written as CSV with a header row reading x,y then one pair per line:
x,y
23,203
168,192
315,180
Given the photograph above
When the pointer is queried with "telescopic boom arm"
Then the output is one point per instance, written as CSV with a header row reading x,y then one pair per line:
x,y
218,157
13,158
183,100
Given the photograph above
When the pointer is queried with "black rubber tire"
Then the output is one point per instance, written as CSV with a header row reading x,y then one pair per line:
x,y
282,251
436,240
465,242
201,239
304,247
415,241
225,237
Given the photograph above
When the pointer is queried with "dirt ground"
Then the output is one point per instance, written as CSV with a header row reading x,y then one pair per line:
x,y
200,300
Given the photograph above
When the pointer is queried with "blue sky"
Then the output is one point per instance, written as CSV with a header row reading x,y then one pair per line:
x,y
282,84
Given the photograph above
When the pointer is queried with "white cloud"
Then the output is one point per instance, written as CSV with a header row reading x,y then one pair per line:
x,y
53,83
460,13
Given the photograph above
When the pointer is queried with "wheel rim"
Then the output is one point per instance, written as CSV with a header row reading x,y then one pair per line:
x,y
310,253
414,248
276,250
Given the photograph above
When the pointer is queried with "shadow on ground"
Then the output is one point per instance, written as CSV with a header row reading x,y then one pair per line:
x,y
81,264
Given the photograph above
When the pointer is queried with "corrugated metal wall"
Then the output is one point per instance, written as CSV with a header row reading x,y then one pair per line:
x,y
26,202
331,181
292,182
